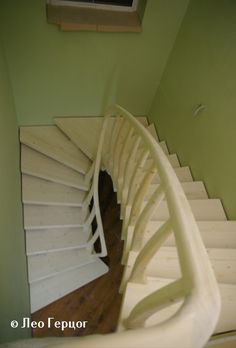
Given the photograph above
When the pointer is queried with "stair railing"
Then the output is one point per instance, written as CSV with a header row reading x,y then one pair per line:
x,y
140,169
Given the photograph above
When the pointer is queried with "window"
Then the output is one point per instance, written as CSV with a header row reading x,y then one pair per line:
x,y
106,2
96,15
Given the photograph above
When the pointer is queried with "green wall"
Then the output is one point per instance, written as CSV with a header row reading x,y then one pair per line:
x,y
202,69
14,300
57,73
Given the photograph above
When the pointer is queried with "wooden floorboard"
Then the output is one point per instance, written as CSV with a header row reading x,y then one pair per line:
x,y
99,301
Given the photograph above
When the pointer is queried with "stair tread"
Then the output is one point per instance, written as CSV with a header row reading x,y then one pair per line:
x,y
192,189
47,240
164,147
48,290
165,263
136,292
182,173
77,128
49,264
152,130
40,191
40,216
174,161
203,209
50,141
215,234
36,164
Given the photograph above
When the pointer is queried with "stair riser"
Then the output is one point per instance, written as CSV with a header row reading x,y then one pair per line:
x,y
35,164
48,265
39,191
42,241
50,141
42,217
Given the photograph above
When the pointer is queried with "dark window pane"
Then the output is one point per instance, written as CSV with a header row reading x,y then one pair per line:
x,y
107,2
115,2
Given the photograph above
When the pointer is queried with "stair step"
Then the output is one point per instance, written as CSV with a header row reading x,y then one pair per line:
x,y
203,210
50,264
215,234
49,290
165,264
47,240
41,216
192,190
182,173
136,292
174,161
78,128
143,120
50,141
36,164
40,191
152,130
164,147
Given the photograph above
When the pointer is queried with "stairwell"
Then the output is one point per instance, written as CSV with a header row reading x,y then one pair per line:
x,y
57,168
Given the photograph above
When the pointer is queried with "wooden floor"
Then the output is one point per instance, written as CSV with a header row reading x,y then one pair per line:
x,y
99,301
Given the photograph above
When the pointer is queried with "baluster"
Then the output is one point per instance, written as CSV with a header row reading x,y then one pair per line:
x,y
108,138
136,176
135,179
115,131
128,170
88,198
145,216
156,301
148,251
122,161
141,192
89,174
90,217
117,150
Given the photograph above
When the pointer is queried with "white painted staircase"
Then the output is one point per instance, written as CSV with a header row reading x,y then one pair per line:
x,y
56,180
57,169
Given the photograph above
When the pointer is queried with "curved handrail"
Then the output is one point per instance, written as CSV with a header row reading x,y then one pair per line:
x,y
194,322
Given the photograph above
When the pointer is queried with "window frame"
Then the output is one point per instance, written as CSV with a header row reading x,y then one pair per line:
x,y
132,8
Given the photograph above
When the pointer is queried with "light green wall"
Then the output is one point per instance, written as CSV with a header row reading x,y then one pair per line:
x,y
202,69
78,73
14,300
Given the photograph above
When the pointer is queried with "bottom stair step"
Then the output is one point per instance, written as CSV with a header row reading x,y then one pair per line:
x,y
136,292
49,290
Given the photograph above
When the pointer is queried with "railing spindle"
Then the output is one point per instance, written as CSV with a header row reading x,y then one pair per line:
x,y
156,301
145,216
148,251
